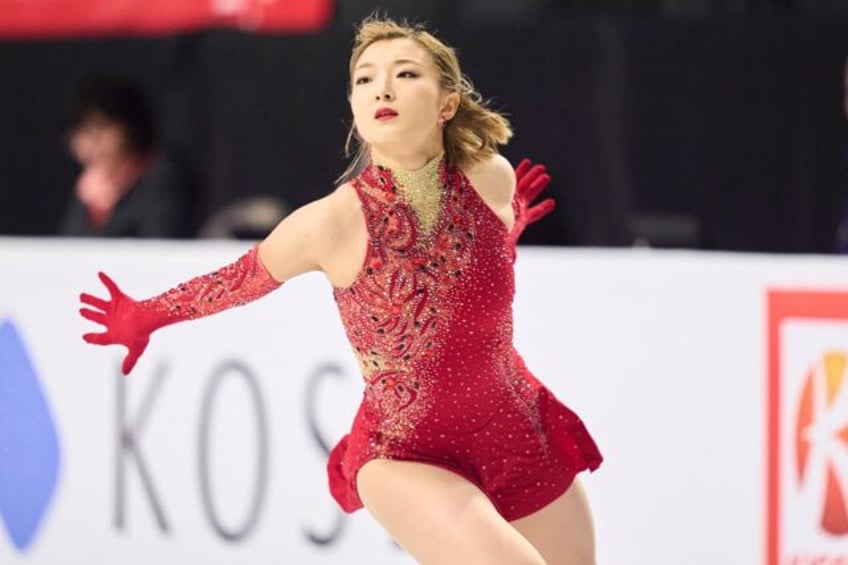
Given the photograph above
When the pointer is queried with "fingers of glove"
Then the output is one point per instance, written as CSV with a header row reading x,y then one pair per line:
x,y
529,179
101,338
110,285
93,315
540,210
132,357
86,298
129,363
522,168
539,184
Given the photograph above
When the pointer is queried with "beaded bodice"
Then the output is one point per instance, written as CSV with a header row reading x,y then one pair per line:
x,y
421,190
430,314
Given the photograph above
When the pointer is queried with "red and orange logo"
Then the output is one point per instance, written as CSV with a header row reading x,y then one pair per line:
x,y
821,427
807,470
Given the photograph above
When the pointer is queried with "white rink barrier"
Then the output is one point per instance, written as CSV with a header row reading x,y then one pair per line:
x,y
713,383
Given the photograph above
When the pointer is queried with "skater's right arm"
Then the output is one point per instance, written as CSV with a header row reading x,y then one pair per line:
x,y
299,244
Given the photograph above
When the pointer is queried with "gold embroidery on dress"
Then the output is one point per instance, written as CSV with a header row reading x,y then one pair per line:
x,y
421,189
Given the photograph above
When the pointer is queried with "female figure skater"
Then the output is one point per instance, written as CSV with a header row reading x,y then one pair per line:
x,y
456,450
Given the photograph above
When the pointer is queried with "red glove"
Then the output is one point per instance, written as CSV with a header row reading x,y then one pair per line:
x,y
530,181
130,323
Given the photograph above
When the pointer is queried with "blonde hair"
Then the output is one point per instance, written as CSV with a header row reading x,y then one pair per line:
x,y
475,131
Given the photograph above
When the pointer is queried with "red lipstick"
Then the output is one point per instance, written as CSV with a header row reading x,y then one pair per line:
x,y
385,114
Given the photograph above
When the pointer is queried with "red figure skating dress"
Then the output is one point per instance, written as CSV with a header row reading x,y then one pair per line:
x,y
430,320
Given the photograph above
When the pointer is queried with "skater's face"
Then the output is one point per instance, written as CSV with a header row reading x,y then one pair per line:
x,y
396,96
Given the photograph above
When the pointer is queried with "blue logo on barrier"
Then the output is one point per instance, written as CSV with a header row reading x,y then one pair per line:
x,y
29,448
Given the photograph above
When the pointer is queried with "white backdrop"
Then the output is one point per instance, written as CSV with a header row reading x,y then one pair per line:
x,y
663,354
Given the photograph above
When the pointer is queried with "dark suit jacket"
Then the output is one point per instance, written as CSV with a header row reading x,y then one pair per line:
x,y
156,206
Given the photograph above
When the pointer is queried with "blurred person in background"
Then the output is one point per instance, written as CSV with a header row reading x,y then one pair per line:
x,y
457,450
127,186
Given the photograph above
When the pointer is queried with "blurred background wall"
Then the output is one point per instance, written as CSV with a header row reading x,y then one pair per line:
x,y
710,124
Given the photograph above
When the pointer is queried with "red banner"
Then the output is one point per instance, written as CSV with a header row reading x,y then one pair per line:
x,y
80,18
